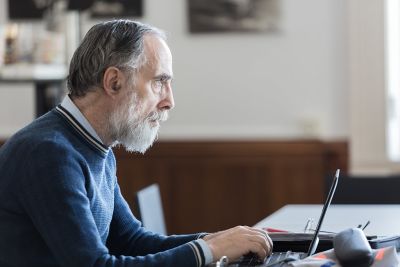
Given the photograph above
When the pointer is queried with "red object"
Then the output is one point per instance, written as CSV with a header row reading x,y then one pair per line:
x,y
379,254
321,256
274,230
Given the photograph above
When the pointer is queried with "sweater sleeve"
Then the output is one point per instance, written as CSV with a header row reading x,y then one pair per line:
x,y
53,193
128,237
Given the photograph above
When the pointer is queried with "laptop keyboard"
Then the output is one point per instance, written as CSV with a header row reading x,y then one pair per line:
x,y
278,257
274,260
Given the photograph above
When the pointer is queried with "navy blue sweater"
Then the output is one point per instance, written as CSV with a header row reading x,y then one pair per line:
x,y
60,205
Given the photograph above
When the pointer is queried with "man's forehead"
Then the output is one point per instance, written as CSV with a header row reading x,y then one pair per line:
x,y
158,55
155,44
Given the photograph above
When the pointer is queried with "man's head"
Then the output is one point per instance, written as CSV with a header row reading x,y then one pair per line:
x,y
129,65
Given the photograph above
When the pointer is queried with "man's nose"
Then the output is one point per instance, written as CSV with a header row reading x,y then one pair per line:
x,y
167,102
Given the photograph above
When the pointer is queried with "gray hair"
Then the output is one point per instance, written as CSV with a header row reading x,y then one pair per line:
x,y
116,43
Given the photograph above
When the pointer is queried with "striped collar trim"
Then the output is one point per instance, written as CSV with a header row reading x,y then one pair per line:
x,y
92,140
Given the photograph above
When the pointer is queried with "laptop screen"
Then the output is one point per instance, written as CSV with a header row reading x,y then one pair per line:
x,y
315,240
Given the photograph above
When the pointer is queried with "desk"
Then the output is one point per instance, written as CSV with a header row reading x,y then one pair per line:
x,y
385,219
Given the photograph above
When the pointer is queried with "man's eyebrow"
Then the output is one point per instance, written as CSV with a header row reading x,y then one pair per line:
x,y
163,77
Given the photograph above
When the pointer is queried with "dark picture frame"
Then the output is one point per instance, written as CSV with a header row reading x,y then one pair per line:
x,y
116,8
233,15
35,9
24,9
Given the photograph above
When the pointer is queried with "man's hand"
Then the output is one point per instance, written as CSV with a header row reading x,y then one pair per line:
x,y
238,241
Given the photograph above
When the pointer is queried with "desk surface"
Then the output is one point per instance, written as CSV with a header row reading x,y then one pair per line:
x,y
385,219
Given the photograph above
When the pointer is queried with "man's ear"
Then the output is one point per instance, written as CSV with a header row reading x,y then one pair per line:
x,y
112,81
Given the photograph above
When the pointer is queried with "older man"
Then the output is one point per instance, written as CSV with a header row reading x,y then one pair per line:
x,y
60,203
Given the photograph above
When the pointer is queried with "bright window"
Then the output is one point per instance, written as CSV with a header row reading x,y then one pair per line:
x,y
393,78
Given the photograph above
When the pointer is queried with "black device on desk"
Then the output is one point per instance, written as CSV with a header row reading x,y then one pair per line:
x,y
276,258
352,248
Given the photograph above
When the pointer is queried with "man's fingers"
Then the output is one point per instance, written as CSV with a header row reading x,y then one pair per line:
x,y
259,250
271,244
238,241
265,234
262,241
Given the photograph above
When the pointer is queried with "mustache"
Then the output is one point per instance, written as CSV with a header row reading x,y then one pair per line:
x,y
158,116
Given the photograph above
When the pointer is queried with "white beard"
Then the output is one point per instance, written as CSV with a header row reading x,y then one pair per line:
x,y
134,133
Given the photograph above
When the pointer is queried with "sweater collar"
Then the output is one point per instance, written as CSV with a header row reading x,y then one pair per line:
x,y
71,112
70,106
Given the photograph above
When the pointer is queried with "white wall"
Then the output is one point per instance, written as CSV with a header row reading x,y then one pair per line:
x,y
16,100
368,123
275,85
3,11
259,85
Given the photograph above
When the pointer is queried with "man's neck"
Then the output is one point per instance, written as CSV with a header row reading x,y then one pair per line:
x,y
95,109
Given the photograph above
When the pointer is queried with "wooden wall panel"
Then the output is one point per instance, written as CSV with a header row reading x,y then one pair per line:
x,y
208,186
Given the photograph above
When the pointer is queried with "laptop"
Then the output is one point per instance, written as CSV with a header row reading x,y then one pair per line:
x,y
277,258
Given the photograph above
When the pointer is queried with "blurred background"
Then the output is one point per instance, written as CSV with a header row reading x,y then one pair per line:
x,y
271,97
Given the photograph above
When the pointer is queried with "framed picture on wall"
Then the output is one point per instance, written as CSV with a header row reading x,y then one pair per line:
x,y
116,8
25,9
233,15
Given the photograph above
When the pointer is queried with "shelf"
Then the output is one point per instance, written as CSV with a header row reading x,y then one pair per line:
x,y
33,72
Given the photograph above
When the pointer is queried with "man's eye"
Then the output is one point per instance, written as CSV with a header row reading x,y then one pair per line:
x,y
158,85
